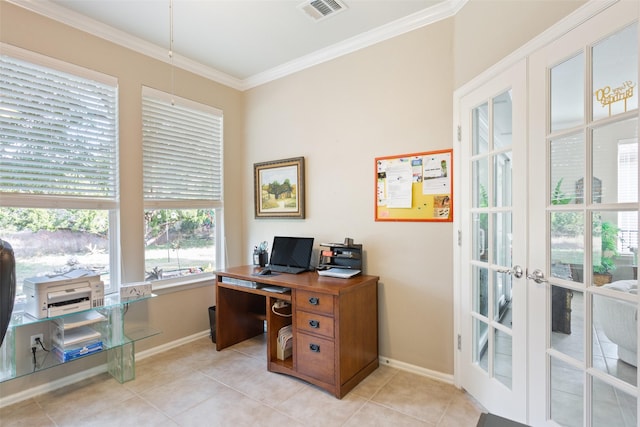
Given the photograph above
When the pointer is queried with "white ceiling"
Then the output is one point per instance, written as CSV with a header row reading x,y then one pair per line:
x,y
243,43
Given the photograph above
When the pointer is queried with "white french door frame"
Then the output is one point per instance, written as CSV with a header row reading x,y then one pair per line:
x,y
600,27
578,17
501,384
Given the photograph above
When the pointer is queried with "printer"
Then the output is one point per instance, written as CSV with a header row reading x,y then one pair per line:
x,y
71,292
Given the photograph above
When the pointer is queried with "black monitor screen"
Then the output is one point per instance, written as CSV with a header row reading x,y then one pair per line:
x,y
291,251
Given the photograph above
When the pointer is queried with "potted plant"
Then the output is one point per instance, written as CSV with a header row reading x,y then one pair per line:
x,y
609,246
558,197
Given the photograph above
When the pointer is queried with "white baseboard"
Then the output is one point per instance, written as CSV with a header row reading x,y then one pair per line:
x,y
173,344
447,378
88,373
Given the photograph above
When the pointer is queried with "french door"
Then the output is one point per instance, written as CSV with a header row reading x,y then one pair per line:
x,y
584,224
493,229
544,213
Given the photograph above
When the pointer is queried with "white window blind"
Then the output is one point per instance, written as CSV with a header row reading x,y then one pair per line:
x,y
182,149
58,132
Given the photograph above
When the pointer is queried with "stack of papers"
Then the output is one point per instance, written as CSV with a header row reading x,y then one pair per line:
x,y
285,342
343,273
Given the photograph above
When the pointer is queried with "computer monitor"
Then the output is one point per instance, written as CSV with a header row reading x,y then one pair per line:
x,y
291,251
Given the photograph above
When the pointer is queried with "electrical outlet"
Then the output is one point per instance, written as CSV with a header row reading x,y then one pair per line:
x,y
33,342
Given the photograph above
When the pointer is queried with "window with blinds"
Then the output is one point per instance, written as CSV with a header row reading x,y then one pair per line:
x,y
182,162
182,149
58,167
59,132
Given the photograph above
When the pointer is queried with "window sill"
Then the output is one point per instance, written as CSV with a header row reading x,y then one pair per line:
x,y
162,287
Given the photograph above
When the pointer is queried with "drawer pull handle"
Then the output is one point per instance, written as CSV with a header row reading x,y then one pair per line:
x,y
314,301
315,348
314,323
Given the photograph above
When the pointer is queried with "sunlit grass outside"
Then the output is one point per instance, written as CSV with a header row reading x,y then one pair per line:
x,y
176,262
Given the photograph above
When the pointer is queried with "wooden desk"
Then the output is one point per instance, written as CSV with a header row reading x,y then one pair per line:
x,y
335,323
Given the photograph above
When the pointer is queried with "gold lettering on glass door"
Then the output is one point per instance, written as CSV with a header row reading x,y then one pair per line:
x,y
607,96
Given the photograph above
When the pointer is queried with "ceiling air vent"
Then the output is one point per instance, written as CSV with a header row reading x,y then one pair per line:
x,y
321,9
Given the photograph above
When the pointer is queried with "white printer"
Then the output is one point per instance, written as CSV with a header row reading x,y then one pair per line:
x,y
74,291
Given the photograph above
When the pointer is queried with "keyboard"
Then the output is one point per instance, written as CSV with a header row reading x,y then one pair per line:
x,y
286,269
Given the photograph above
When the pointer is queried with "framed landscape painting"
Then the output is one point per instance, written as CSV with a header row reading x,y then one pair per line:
x,y
279,188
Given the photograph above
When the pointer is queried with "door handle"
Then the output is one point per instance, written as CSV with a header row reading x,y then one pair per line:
x,y
537,276
516,271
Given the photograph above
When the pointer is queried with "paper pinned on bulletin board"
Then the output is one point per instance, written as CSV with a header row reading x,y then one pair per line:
x,y
415,187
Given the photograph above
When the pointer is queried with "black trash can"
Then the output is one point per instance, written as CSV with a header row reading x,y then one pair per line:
x,y
212,322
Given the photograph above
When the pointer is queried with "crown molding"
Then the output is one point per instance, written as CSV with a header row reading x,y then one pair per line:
x,y
76,20
393,29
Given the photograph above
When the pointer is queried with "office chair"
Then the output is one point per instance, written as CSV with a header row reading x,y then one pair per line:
x,y
7,286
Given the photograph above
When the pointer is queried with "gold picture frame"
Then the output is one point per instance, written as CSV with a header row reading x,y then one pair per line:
x,y
279,188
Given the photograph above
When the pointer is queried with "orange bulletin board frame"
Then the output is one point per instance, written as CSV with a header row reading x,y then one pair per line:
x,y
415,187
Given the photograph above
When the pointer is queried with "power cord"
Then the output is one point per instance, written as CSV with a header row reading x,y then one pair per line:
x,y
33,352
35,363
273,309
39,341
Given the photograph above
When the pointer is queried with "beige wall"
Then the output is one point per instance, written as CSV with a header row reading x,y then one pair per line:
x,y
391,98
486,31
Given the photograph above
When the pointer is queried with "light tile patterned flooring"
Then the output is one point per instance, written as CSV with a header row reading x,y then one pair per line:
x,y
194,385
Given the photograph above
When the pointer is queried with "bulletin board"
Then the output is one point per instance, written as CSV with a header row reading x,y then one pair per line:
x,y
415,187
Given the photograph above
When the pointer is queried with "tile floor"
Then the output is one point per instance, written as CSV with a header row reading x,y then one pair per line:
x,y
194,385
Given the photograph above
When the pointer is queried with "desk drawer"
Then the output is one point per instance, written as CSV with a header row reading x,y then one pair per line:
x,y
314,323
314,301
315,357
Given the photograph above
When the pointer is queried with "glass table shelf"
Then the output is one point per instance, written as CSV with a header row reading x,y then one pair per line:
x,y
116,340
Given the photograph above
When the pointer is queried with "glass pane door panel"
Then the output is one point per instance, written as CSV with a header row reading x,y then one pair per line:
x,y
480,344
567,321
615,162
612,407
503,233
502,359
480,249
584,86
567,169
502,287
502,179
502,121
567,391
615,73
606,244
481,291
480,129
567,245
567,93
480,179
614,343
